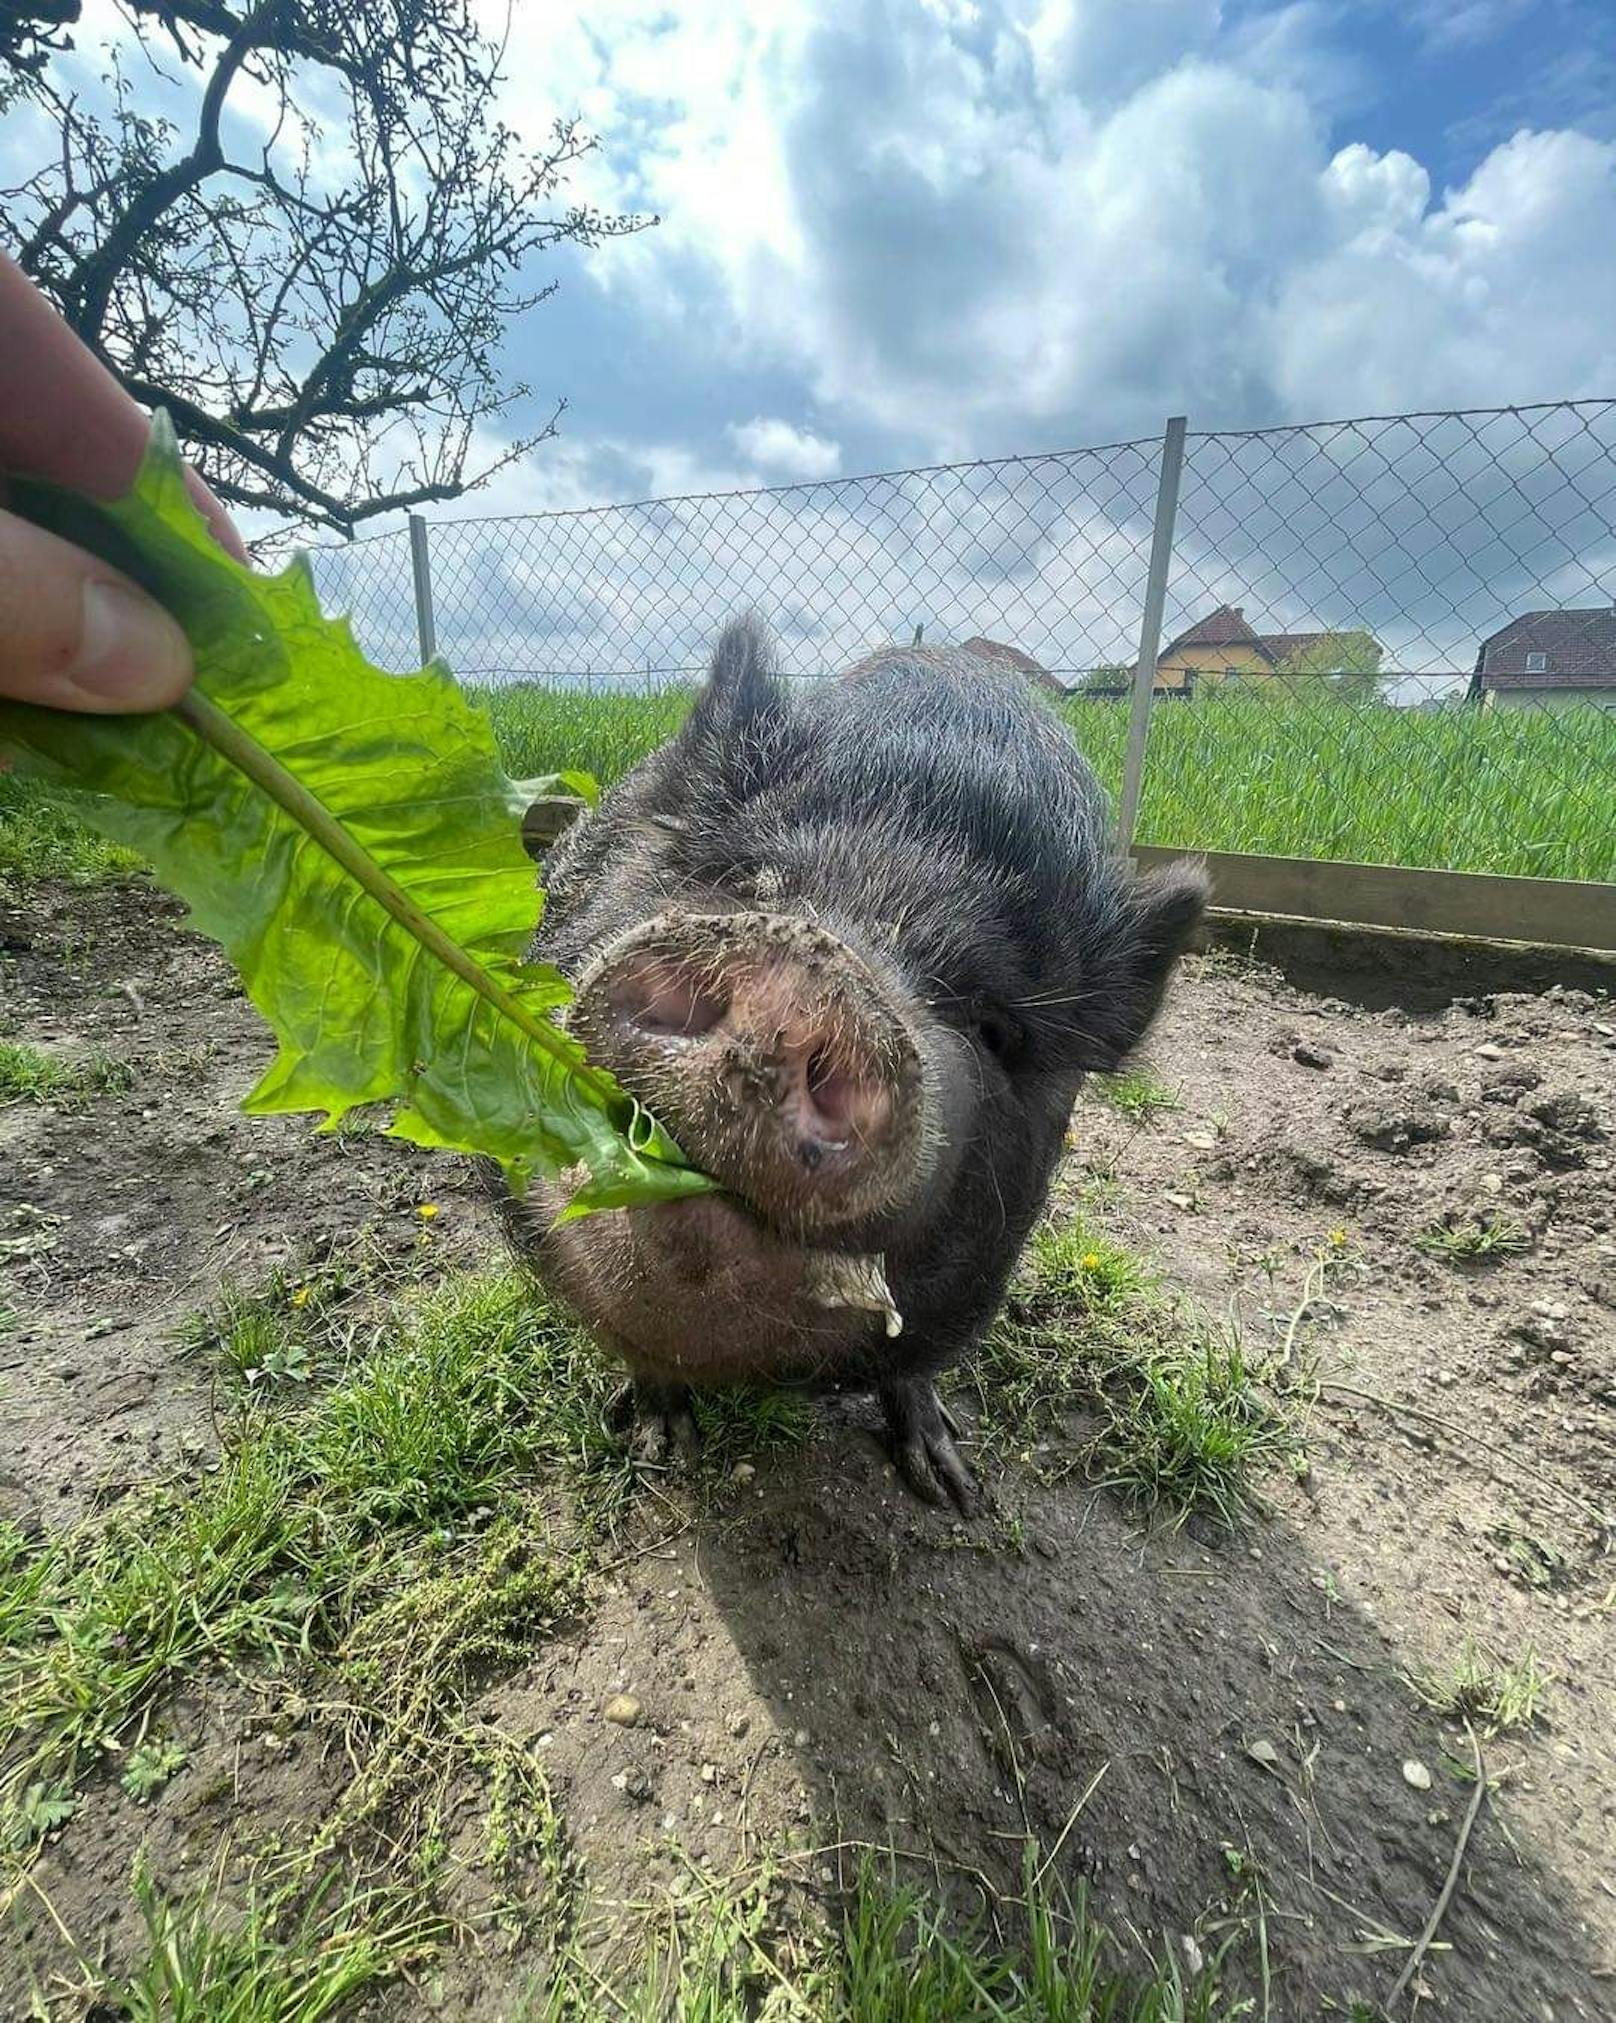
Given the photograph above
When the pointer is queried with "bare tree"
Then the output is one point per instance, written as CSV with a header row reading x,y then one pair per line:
x,y
311,258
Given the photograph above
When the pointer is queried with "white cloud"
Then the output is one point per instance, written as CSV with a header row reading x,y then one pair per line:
x,y
1494,295
982,226
782,451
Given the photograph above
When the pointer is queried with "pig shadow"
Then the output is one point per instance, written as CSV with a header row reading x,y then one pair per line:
x,y
1187,1720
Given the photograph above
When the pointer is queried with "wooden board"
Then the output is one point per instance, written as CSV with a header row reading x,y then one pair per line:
x,y
1550,912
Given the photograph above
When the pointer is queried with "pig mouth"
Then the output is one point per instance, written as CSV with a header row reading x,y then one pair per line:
x,y
705,1290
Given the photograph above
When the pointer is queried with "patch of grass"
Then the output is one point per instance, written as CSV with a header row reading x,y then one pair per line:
x,y
1183,1423
1192,1432
736,1422
1136,1093
292,1543
30,1075
728,1954
1494,1695
599,731
202,1965
1474,1239
1455,789
1458,789
42,836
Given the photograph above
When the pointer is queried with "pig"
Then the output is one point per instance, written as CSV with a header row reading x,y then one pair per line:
x,y
856,944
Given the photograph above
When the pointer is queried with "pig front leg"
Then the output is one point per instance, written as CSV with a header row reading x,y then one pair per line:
x,y
658,1422
923,1449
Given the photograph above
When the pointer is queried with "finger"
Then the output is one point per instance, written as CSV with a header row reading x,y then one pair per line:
x,y
62,414
75,634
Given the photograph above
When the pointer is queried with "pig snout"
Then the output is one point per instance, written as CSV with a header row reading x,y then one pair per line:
x,y
776,1056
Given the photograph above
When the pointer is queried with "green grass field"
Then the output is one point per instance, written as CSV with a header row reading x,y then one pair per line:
x,y
1451,790
1458,790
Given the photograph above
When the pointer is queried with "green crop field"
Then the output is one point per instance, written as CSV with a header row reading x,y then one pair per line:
x,y
1453,789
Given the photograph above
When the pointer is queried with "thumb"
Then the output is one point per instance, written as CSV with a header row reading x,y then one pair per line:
x,y
75,634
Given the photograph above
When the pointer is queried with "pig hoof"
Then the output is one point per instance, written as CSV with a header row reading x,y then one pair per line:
x,y
660,1426
923,1445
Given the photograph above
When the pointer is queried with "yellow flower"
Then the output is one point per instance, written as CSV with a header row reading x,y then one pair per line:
x,y
1338,1239
1093,1261
303,1295
427,1210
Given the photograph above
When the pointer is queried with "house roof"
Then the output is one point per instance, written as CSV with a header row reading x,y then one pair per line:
x,y
1579,647
1224,627
1227,626
1012,657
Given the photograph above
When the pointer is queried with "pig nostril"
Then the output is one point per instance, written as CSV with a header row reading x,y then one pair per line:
x,y
833,1097
666,1002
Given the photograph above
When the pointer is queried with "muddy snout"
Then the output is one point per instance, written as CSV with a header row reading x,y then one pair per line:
x,y
781,1062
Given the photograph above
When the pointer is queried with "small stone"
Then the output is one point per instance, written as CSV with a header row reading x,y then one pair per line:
x,y
800,1739
1201,1141
1489,1052
1445,1378
738,1723
1492,1183
709,1773
1415,1773
742,1473
623,1710
1264,1753
1311,1056
1194,1958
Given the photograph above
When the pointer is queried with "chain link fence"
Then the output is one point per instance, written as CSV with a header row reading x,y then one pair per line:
x,y
1391,640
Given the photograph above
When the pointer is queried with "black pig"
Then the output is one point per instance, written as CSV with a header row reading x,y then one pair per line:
x,y
857,948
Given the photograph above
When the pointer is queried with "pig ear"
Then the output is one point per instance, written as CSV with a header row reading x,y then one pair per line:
x,y
741,686
1159,915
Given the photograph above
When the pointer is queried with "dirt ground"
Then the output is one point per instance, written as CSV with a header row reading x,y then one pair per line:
x,y
1187,1718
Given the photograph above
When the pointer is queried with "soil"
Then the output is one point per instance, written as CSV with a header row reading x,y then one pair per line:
x,y
1186,1718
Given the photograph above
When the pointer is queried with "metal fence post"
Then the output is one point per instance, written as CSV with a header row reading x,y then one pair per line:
x,y
426,629
1144,673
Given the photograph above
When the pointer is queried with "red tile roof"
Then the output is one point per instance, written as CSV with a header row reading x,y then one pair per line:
x,y
1578,647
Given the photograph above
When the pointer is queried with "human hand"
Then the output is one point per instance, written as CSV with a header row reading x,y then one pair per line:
x,y
75,633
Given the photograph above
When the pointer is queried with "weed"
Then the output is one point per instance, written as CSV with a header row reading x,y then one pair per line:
x,y
1478,1688
1474,1239
149,1766
1072,1263
738,1421
39,1809
28,1074
1137,1094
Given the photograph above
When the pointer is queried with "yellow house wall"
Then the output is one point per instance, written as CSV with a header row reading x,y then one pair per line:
x,y
1207,663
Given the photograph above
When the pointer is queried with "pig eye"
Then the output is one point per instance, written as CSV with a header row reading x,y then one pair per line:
x,y
999,1034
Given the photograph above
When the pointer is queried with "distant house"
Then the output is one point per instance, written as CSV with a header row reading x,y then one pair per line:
x,y
1012,658
1223,648
1549,660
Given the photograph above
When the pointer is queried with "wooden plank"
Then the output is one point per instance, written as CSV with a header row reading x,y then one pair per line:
x,y
1550,912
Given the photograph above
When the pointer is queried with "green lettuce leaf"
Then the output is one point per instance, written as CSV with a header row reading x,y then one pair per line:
x,y
351,840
